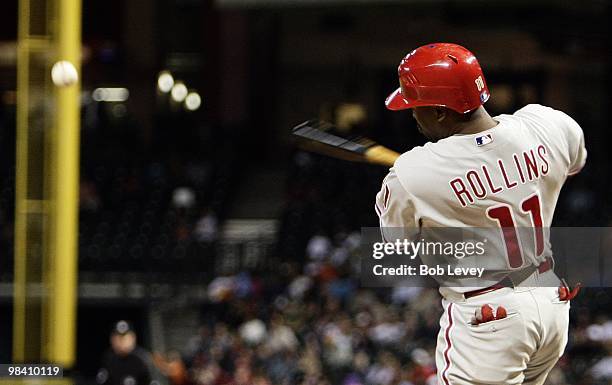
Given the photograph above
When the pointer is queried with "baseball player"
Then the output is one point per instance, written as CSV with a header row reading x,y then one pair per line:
x,y
479,171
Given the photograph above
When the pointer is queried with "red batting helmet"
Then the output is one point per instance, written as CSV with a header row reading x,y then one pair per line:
x,y
440,74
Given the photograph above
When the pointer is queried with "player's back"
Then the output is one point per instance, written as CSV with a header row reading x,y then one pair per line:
x,y
512,172
509,176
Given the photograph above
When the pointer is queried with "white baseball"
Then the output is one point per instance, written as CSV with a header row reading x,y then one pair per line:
x,y
64,74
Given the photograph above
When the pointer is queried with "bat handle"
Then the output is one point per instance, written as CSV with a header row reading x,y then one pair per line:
x,y
381,155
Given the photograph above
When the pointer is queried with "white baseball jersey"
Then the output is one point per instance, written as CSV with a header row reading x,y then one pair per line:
x,y
508,176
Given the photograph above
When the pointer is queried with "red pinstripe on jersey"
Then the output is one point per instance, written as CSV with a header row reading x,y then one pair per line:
x,y
448,343
387,194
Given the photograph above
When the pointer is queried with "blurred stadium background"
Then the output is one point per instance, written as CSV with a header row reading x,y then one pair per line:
x,y
232,252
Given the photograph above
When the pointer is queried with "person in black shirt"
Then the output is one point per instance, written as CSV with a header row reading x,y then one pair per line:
x,y
125,363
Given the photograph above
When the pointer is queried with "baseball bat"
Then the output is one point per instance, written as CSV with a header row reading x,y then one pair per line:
x,y
317,138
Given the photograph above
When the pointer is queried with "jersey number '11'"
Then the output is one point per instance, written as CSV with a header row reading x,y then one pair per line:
x,y
504,216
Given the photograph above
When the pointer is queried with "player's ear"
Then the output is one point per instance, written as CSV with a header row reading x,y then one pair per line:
x,y
441,113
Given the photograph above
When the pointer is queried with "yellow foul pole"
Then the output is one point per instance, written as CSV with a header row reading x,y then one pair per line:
x,y
64,193
47,183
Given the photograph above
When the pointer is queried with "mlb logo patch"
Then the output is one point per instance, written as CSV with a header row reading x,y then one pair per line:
x,y
484,96
485,139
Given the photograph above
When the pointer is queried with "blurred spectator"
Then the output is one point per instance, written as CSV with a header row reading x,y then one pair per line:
x,y
206,228
198,344
385,370
243,375
125,363
602,370
281,338
211,374
253,332
338,342
600,332
171,365
221,289
299,286
319,247
183,198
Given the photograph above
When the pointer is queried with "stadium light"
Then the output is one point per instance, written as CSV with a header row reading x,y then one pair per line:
x,y
193,101
110,94
179,92
165,81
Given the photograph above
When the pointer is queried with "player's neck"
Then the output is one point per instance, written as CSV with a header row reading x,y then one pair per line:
x,y
479,121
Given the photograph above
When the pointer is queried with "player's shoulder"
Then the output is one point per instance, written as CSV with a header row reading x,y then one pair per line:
x,y
413,159
544,115
534,108
413,165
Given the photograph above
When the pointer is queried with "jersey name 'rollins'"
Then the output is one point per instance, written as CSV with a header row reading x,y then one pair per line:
x,y
477,183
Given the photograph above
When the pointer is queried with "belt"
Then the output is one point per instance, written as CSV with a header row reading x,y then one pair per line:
x,y
511,281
